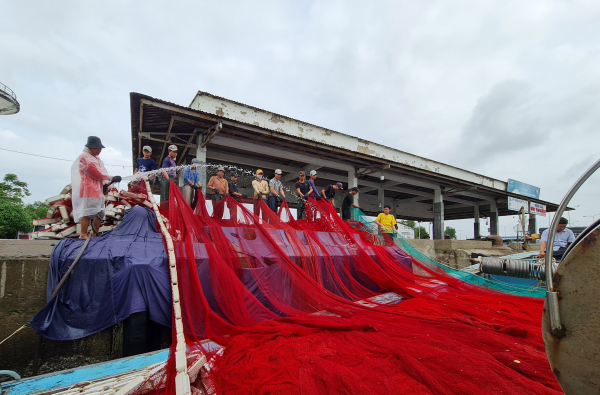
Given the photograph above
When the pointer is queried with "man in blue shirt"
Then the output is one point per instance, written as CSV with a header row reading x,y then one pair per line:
x,y
191,182
311,182
146,163
563,238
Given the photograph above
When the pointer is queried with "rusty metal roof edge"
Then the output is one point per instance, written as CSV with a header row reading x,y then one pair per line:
x,y
202,93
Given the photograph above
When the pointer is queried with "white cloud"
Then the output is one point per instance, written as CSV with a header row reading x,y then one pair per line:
x,y
503,88
8,135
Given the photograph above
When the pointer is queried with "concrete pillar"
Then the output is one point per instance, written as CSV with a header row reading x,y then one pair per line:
x,y
381,198
532,224
493,218
438,214
353,182
201,156
180,178
476,232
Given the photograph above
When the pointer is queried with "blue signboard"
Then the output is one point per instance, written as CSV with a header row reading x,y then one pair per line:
x,y
523,189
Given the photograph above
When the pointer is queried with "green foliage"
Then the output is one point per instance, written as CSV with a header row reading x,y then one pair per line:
x,y
12,189
14,215
13,219
411,224
450,232
422,234
36,210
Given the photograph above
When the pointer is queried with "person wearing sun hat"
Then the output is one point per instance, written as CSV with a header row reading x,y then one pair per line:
x,y
261,189
218,185
260,186
88,177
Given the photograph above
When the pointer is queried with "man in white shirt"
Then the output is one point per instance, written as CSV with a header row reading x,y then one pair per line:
x,y
563,238
276,193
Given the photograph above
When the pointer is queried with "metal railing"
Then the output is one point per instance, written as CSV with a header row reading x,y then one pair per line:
x,y
8,91
556,327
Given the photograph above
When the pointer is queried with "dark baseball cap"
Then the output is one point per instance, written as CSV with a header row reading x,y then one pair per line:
x,y
354,189
301,173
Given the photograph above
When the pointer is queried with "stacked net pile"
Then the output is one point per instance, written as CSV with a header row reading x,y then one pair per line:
x,y
59,222
368,224
286,299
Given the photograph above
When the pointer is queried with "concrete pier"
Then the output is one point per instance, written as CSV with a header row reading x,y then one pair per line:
x,y
23,277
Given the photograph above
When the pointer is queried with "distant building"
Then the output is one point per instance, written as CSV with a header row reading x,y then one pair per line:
x,y
406,231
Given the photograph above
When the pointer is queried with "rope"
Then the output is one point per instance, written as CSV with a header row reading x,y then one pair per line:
x,y
49,157
15,332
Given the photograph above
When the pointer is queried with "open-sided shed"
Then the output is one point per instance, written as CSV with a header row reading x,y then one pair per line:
x,y
221,131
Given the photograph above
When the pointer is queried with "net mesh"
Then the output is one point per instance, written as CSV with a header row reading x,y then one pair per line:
x,y
302,307
368,224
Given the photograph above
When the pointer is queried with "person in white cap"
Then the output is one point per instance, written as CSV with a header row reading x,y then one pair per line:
x,y
146,163
218,185
311,181
191,182
168,175
276,192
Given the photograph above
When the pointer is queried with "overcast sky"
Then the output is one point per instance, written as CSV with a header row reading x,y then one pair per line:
x,y
508,89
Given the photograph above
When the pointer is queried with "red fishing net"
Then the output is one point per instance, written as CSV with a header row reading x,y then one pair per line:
x,y
316,306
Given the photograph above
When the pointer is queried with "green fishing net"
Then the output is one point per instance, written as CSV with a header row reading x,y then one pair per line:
x,y
368,224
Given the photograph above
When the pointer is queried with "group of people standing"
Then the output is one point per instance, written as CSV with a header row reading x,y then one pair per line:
x,y
89,177
272,192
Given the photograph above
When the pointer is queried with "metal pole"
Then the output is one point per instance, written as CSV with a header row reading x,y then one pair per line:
x,y
557,329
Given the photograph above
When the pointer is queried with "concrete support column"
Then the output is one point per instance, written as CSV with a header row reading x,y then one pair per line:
x,y
493,218
532,224
381,198
201,156
180,178
476,231
438,214
353,182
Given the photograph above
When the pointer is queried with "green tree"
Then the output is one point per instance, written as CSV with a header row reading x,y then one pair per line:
x,y
13,189
13,219
14,215
411,224
37,210
450,232
423,234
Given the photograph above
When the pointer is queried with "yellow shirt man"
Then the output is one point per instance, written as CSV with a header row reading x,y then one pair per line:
x,y
386,221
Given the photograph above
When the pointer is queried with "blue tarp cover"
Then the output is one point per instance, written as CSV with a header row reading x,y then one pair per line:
x,y
121,272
